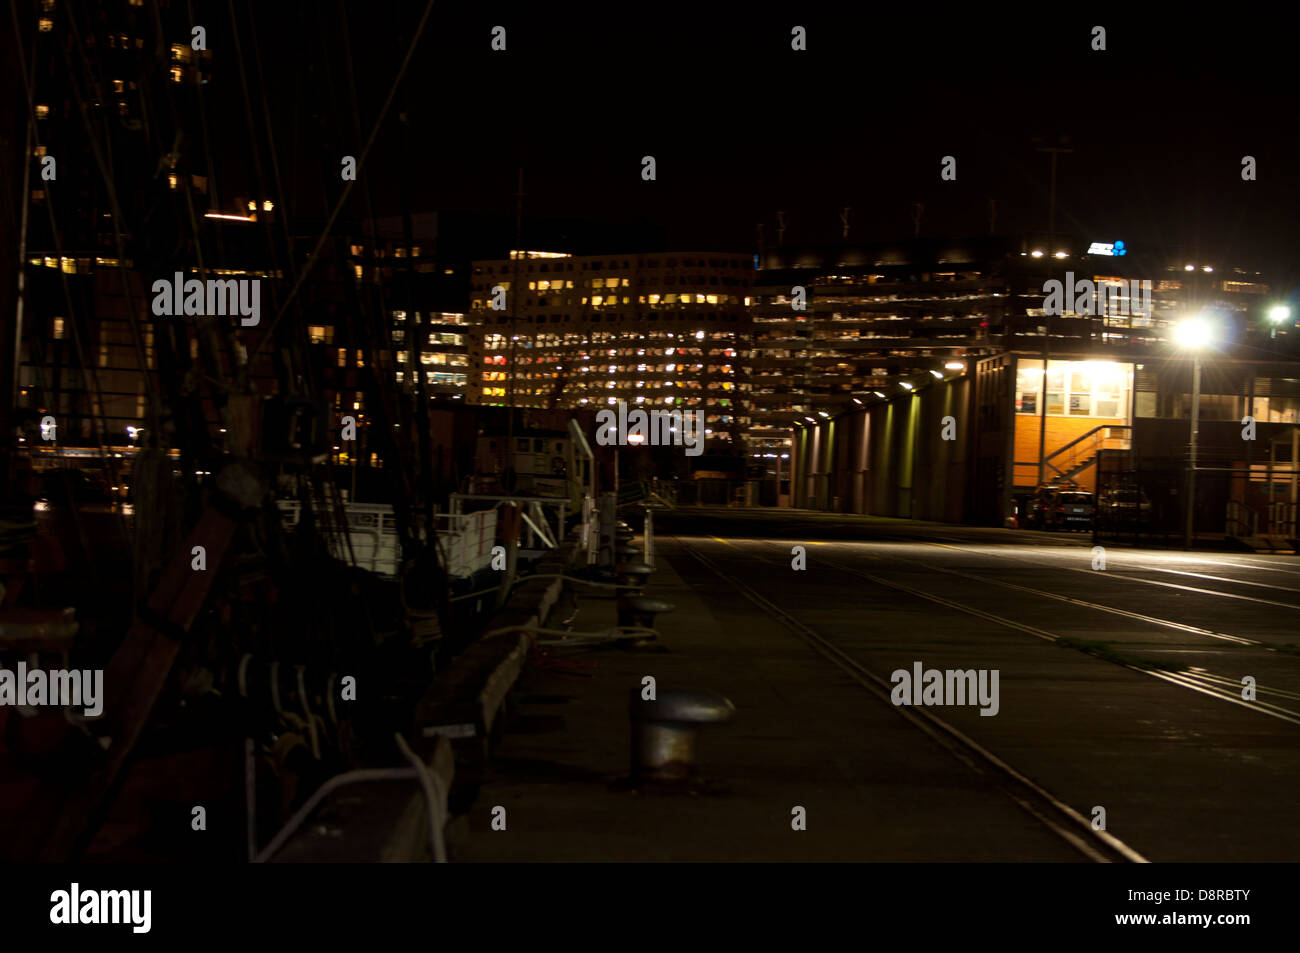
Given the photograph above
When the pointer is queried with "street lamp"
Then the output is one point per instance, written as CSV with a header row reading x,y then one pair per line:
x,y
1193,334
1278,315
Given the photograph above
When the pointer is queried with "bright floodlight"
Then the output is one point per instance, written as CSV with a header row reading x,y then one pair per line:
x,y
1193,333
1279,313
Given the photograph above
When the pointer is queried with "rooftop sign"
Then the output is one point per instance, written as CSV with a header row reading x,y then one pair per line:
x,y
1110,249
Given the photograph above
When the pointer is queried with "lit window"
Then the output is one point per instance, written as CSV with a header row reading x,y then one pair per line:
x,y
58,329
42,111
45,25
177,73
173,179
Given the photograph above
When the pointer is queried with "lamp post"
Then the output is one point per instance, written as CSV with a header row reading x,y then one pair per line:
x,y
1278,315
1193,334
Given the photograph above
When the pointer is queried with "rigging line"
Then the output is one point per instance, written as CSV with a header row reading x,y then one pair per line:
x,y
227,333
213,185
390,399
24,215
203,332
90,378
91,381
118,241
347,189
209,360
283,217
254,147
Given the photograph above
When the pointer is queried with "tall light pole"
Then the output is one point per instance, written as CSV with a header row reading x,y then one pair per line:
x,y
1054,151
1277,316
1193,334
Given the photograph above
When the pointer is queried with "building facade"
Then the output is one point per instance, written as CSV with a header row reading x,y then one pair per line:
x,y
658,330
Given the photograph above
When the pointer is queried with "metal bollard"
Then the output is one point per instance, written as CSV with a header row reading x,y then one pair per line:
x,y
664,731
633,575
641,610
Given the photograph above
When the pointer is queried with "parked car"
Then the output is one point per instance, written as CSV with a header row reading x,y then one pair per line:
x,y
1121,509
1061,507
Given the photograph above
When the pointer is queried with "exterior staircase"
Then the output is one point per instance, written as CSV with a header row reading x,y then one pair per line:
x,y
1071,459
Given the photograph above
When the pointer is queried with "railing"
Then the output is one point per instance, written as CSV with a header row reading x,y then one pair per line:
x,y
539,528
1081,452
1278,518
465,540
1281,518
1241,520
371,528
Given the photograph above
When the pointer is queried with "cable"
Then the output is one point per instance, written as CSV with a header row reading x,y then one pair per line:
x,y
568,636
347,189
432,796
322,792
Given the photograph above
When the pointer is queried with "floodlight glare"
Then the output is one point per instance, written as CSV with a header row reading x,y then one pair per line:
x,y
1193,334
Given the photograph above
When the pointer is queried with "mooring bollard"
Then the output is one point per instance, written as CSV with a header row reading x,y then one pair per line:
x,y
633,575
664,730
641,610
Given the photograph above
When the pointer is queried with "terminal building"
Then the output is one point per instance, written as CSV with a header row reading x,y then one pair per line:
x,y
967,428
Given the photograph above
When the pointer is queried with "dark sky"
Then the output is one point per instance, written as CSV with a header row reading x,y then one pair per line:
x,y
741,125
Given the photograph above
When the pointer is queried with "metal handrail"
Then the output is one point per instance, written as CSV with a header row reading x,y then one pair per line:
x,y
1098,437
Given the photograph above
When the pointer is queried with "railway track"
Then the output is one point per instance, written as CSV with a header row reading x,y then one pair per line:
x,y
1052,812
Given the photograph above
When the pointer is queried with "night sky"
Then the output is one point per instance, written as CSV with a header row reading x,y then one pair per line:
x,y
741,125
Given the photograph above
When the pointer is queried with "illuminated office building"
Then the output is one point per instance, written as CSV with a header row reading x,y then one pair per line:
x,y
661,331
